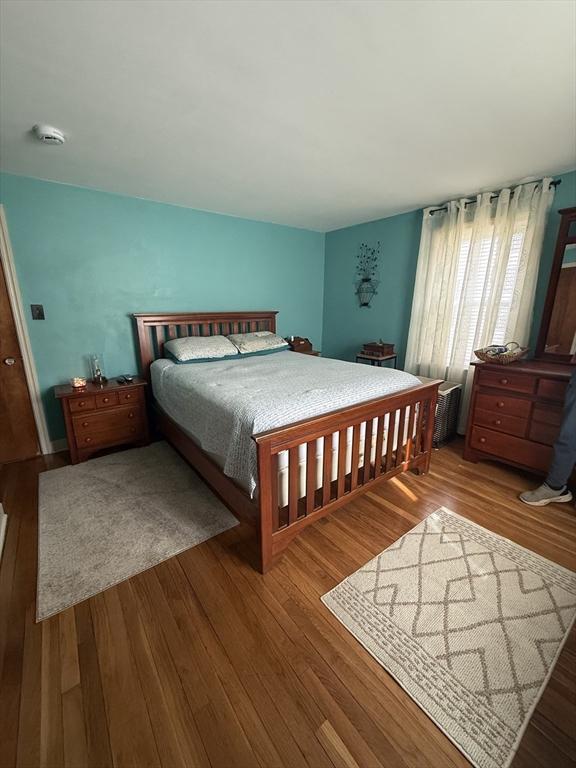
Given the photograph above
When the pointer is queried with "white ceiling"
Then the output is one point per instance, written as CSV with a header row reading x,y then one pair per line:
x,y
316,114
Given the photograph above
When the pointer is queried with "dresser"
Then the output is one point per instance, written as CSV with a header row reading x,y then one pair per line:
x,y
516,412
101,417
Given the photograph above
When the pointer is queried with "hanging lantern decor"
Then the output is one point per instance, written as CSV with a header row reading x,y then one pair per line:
x,y
366,268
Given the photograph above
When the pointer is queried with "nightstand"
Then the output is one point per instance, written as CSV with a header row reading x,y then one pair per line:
x,y
101,417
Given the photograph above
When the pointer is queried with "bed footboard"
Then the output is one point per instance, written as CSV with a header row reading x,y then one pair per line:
x,y
389,435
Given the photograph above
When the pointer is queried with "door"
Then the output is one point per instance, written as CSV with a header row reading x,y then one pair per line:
x,y
18,434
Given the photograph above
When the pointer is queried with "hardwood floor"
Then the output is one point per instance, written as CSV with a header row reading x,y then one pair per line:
x,y
201,661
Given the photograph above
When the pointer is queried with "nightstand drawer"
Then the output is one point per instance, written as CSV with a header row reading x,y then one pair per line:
x,y
129,395
512,406
103,421
106,400
85,403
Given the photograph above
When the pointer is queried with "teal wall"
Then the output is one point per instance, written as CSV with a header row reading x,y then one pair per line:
x,y
91,258
347,326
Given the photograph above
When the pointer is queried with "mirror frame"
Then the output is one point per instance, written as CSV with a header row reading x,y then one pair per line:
x,y
568,216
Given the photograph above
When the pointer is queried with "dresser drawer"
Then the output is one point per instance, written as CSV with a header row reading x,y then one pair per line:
x,y
85,403
106,399
552,389
505,404
547,414
513,382
510,448
544,433
513,425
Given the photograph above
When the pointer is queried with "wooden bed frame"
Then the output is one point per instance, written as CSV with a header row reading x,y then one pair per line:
x,y
278,526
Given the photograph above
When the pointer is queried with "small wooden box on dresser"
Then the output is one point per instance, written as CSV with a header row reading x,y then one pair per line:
x,y
100,417
516,412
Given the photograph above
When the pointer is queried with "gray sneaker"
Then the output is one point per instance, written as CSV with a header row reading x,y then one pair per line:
x,y
545,495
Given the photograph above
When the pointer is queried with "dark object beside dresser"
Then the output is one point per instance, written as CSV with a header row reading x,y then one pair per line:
x,y
516,412
101,417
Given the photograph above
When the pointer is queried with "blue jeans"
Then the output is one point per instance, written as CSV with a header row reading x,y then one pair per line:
x,y
565,445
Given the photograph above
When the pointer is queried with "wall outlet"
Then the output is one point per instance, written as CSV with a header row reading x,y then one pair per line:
x,y
37,311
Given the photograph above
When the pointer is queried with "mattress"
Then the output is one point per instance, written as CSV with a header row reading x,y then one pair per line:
x,y
221,404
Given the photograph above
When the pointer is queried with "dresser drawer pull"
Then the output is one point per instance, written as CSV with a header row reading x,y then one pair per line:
x,y
482,439
85,423
497,422
131,415
82,403
128,396
105,399
87,439
500,404
503,381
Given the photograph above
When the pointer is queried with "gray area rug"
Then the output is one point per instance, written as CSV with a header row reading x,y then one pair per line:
x,y
469,623
107,519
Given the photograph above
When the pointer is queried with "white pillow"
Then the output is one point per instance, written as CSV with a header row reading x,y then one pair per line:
x,y
200,348
258,341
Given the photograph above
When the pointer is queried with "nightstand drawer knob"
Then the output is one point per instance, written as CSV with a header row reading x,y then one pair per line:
x,y
105,399
503,381
9,360
500,404
128,396
498,422
482,439
131,415
81,403
85,423
87,439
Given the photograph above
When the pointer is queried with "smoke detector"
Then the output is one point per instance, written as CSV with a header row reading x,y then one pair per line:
x,y
47,134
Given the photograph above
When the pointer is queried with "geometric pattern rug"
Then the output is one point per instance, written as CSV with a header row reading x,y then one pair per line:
x,y
104,520
470,625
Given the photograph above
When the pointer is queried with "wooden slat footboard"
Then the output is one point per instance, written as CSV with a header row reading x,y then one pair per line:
x,y
389,435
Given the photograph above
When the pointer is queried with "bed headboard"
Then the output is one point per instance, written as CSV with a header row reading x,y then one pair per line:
x,y
154,330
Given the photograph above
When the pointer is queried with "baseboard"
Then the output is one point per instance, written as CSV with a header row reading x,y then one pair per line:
x,y
58,445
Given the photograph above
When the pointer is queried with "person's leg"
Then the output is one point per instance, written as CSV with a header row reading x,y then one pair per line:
x,y
554,488
565,446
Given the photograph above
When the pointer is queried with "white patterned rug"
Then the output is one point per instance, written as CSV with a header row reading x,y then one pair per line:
x,y
107,519
469,623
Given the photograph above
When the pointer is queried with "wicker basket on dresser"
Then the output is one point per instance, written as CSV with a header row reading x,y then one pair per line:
x,y
516,412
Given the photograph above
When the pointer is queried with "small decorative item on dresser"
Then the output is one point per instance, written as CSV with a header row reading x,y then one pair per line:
x,y
103,415
78,382
96,366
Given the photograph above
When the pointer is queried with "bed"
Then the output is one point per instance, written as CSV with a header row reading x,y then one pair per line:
x,y
283,439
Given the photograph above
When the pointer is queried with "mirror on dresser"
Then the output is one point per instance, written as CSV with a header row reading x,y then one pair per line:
x,y
557,339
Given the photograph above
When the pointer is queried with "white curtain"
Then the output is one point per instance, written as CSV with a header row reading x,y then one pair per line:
x,y
475,280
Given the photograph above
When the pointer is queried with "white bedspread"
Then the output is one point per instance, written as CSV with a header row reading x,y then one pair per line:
x,y
222,404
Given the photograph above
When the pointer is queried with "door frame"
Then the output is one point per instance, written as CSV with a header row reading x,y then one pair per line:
x,y
15,298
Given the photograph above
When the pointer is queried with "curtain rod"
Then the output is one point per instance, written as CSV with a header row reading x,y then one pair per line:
x,y
554,183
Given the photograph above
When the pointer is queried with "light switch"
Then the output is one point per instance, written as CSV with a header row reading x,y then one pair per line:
x,y
37,311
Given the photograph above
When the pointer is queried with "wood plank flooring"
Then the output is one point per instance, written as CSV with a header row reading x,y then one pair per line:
x,y
201,661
